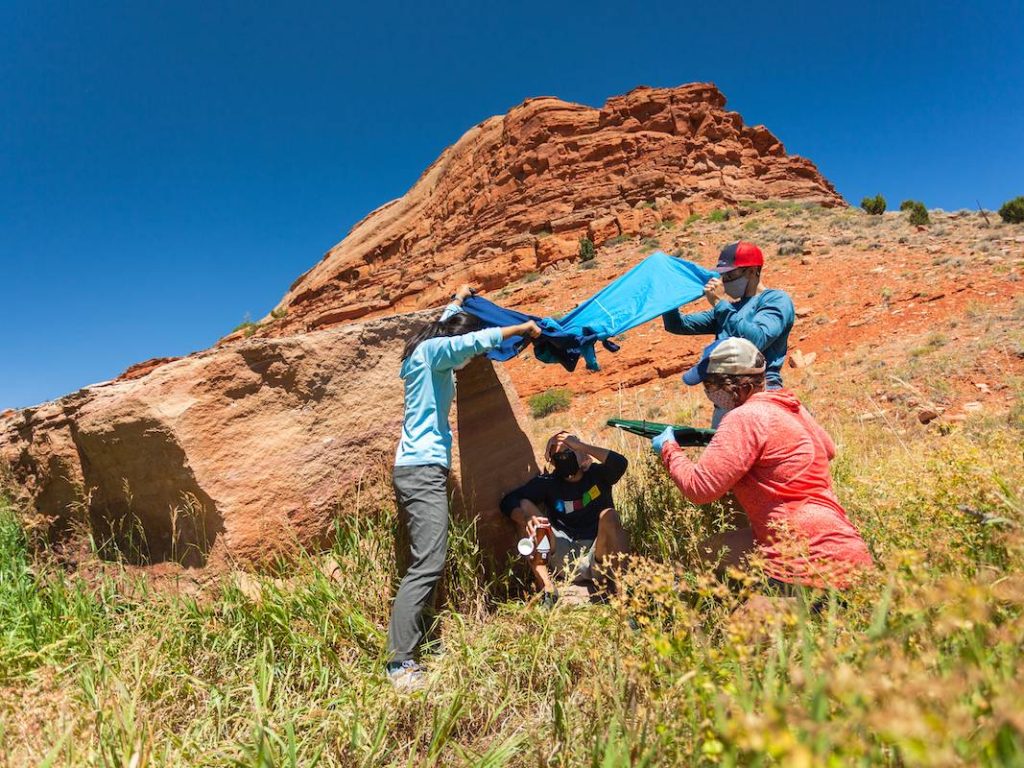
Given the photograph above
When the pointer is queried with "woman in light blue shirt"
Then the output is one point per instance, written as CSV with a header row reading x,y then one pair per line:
x,y
431,356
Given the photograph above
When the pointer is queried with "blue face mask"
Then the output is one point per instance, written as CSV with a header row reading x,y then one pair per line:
x,y
737,287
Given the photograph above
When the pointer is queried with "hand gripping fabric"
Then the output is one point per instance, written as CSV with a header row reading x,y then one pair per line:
x,y
654,286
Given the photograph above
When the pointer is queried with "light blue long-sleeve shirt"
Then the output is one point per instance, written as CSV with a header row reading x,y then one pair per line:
x,y
429,375
764,319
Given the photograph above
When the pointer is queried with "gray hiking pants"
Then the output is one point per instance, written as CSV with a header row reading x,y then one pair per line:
x,y
422,495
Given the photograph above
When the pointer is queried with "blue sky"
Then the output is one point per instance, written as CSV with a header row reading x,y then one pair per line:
x,y
168,167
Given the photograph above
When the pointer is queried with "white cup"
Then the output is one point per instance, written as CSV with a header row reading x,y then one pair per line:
x,y
525,546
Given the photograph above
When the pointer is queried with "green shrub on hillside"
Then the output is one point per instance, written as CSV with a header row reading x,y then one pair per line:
x,y
1012,211
550,401
587,250
918,213
718,215
873,205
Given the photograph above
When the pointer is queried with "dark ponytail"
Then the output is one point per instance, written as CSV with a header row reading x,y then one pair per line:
x,y
456,325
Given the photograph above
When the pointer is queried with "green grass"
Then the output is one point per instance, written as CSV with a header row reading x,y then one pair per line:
x,y
248,327
550,401
45,619
920,666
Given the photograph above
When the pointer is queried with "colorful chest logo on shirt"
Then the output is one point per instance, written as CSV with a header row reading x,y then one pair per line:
x,y
568,506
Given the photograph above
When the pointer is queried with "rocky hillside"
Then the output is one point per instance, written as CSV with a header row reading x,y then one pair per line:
x,y
517,192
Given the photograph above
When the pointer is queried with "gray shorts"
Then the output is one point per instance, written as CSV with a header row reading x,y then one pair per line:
x,y
573,557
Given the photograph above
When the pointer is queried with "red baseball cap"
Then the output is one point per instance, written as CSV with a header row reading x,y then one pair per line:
x,y
738,255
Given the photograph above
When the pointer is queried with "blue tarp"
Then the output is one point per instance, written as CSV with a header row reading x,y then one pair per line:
x,y
654,286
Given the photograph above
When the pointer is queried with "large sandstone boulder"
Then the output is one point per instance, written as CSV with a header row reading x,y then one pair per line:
x,y
494,453
249,450
518,191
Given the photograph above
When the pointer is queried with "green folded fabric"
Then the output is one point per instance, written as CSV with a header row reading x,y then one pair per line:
x,y
685,436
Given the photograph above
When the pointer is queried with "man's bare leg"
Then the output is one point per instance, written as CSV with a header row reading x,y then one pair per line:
x,y
612,543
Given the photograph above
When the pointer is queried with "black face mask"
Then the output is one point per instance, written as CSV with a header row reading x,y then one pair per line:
x,y
566,464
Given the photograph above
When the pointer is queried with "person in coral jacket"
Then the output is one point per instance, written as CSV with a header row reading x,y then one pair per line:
x,y
771,453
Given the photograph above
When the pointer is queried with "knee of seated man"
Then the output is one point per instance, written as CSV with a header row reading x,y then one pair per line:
x,y
610,517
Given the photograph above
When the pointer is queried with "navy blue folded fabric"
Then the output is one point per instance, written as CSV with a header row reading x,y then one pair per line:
x,y
654,286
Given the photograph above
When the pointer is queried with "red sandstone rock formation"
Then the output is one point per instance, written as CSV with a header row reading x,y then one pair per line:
x,y
517,192
247,451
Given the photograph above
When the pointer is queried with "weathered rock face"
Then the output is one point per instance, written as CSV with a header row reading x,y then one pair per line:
x,y
249,451
517,192
242,452
494,453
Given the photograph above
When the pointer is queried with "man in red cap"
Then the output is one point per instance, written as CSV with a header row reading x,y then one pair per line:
x,y
742,308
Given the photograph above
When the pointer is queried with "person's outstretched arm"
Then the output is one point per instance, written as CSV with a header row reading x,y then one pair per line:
x,y
463,292
447,352
693,324
728,457
770,321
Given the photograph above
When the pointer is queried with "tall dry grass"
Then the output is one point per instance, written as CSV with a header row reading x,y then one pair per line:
x,y
919,665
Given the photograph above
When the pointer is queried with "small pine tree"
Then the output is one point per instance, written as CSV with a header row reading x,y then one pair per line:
x,y
919,214
587,250
906,205
1012,211
873,205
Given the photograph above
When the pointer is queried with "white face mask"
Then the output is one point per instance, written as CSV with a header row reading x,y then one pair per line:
x,y
737,287
721,399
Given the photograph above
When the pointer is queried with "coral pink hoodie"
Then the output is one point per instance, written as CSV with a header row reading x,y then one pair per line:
x,y
774,457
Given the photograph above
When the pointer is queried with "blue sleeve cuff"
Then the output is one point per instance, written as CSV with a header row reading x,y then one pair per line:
x,y
451,310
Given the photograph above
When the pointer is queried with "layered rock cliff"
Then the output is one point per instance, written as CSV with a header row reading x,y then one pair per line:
x,y
518,191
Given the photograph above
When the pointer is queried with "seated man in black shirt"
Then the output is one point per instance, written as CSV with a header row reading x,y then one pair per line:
x,y
577,497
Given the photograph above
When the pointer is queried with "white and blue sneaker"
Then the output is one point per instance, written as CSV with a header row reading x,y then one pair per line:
x,y
407,676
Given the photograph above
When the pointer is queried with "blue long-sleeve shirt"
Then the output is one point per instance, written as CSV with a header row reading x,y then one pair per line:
x,y
765,319
429,376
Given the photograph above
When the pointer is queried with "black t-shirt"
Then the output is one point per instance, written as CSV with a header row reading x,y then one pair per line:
x,y
574,508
